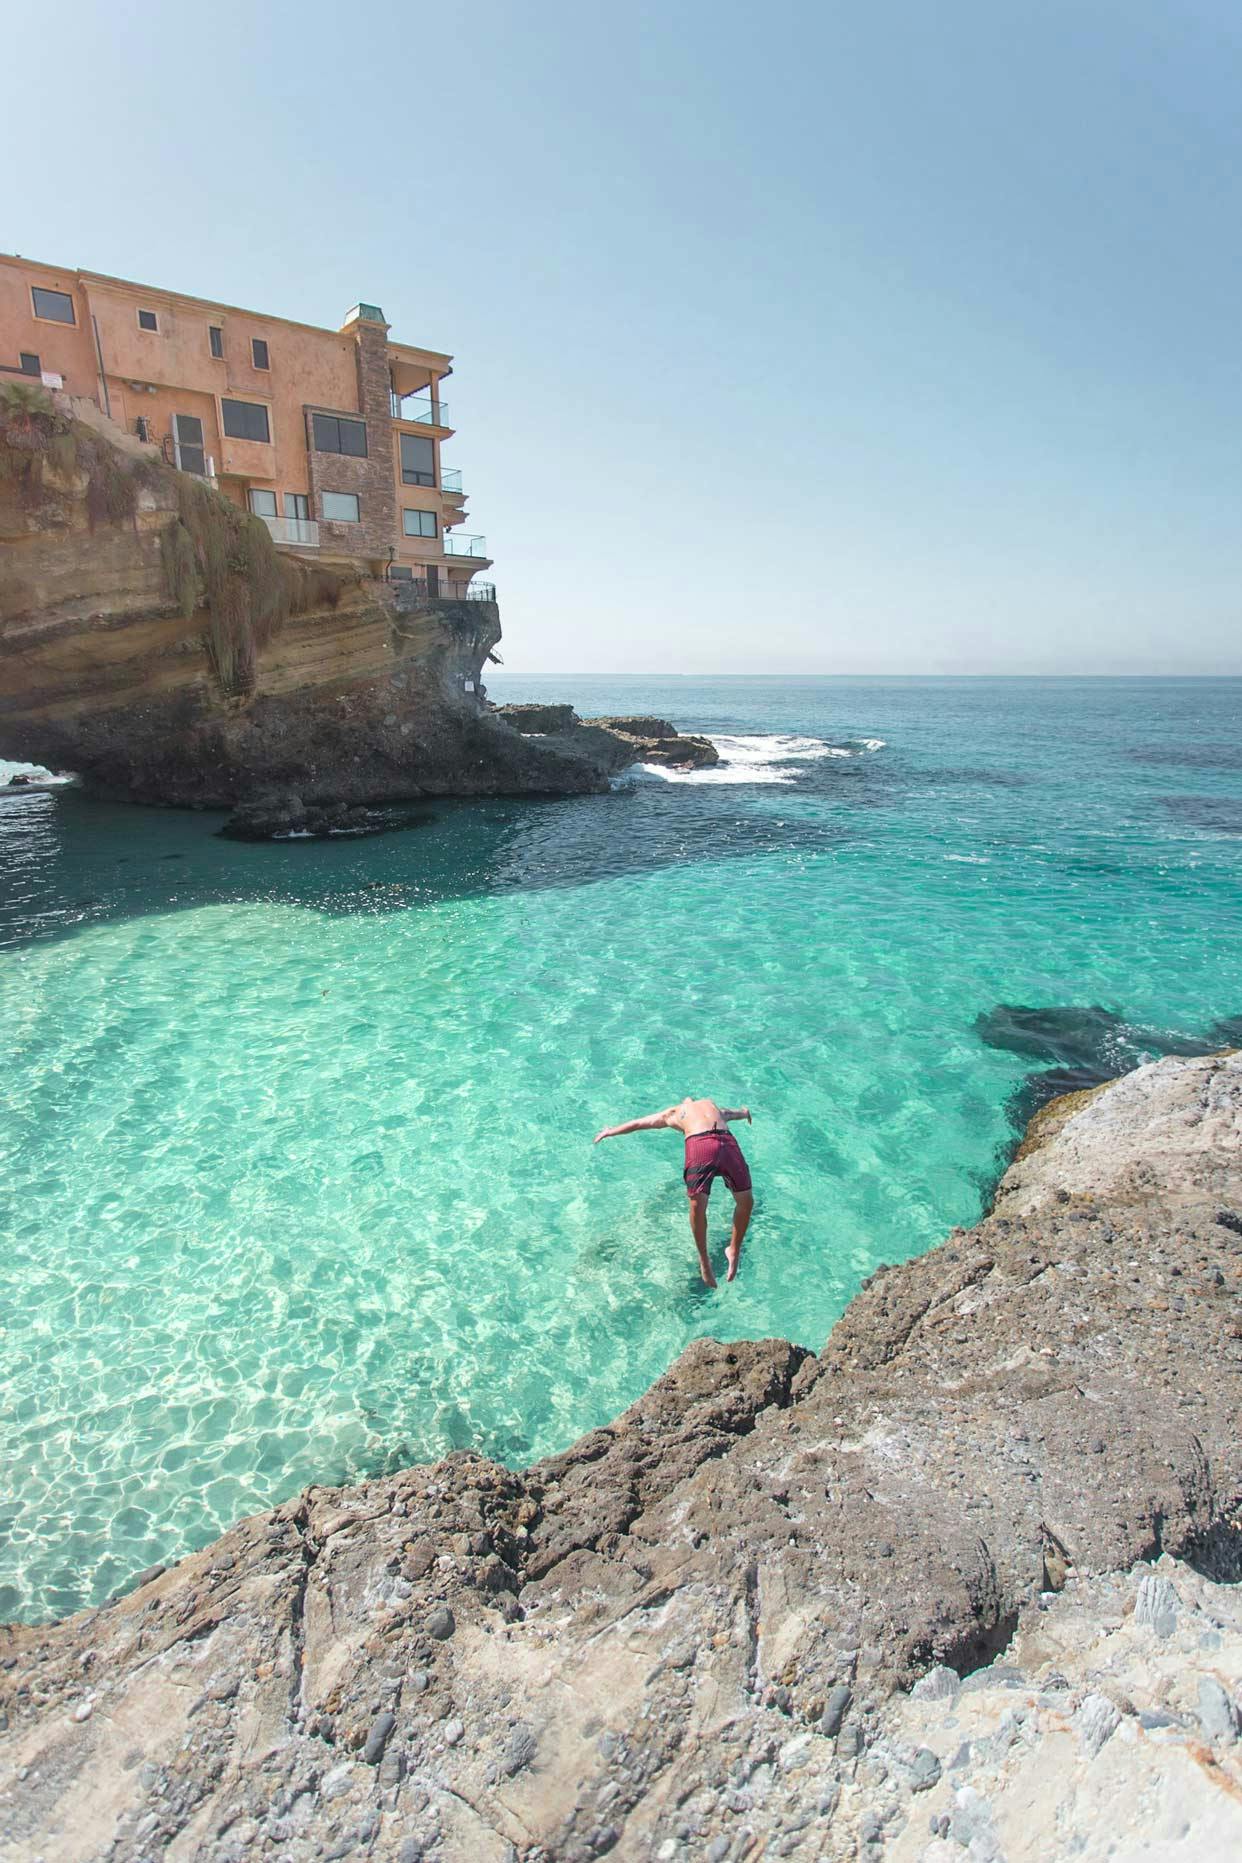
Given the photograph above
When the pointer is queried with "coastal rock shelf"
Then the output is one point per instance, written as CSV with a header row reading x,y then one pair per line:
x,y
964,1584
154,641
615,743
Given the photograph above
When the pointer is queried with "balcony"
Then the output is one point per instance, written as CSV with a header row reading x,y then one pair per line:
x,y
450,481
421,410
464,546
411,590
294,533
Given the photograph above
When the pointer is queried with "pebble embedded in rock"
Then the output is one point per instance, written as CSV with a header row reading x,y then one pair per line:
x,y
835,1709
939,1684
441,1623
520,1748
83,1711
411,1850
1216,1711
453,1731
924,1770
1156,1605
377,1739
1097,1720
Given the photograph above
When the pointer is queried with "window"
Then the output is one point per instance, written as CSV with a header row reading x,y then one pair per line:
x,y
332,433
147,320
30,363
418,460
297,505
400,572
215,336
245,420
188,449
341,507
262,503
258,353
419,523
55,306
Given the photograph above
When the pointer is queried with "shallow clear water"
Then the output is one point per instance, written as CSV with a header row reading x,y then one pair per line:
x,y
297,1171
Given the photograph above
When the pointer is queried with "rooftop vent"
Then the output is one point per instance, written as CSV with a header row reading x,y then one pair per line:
x,y
366,313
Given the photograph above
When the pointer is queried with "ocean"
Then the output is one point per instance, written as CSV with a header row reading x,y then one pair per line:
x,y
298,1182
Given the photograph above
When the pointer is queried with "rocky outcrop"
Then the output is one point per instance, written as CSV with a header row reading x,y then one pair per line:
x,y
959,1586
153,640
615,744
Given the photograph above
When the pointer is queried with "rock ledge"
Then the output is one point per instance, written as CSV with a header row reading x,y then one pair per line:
x,y
962,1586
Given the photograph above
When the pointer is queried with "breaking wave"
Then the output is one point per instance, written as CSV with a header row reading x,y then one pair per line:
x,y
772,757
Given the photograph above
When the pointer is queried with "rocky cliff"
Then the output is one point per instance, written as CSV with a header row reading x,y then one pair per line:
x,y
154,640
964,1585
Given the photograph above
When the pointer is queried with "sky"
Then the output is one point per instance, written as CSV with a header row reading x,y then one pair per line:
x,y
893,337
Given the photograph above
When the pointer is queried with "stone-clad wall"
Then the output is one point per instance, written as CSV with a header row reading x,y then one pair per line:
x,y
371,478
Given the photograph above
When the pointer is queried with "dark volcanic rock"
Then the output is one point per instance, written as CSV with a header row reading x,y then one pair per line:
x,y
613,743
723,1596
286,818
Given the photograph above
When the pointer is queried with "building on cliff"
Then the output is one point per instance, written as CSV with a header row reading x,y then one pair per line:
x,y
332,437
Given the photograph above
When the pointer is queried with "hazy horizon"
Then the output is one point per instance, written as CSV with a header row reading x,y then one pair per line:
x,y
826,341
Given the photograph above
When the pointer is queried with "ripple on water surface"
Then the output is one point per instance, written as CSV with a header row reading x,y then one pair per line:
x,y
300,1186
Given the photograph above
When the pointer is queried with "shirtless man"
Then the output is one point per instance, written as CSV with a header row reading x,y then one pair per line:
x,y
711,1151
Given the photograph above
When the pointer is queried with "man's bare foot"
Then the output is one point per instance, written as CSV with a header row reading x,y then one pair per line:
x,y
705,1269
733,1254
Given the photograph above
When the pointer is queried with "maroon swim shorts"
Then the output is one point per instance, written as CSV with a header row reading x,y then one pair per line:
x,y
710,1155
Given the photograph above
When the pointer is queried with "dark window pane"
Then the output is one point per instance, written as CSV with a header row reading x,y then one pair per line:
x,y
190,427
147,320
217,339
258,349
245,420
332,433
297,505
56,305
418,460
354,438
30,363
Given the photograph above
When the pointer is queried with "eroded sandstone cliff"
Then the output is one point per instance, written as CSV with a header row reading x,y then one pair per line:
x,y
963,1585
154,640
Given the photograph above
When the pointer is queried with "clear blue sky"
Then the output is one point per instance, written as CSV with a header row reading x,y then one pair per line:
x,y
891,337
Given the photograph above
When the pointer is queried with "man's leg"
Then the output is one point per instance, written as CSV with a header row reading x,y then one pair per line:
x,y
698,1229
743,1204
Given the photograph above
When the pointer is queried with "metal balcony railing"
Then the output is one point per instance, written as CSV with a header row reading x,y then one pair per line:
x,y
450,479
297,533
420,408
448,589
464,546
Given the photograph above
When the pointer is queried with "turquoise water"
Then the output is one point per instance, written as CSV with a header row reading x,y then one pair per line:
x,y
298,1181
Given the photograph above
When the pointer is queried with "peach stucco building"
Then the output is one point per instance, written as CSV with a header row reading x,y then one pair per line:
x,y
333,437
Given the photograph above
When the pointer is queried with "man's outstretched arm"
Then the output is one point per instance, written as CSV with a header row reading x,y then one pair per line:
x,y
651,1123
736,1112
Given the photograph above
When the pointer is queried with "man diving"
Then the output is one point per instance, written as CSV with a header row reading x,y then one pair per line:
x,y
711,1151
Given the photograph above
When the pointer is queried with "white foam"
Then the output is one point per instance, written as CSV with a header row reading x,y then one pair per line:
x,y
757,758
